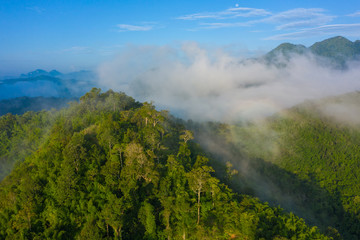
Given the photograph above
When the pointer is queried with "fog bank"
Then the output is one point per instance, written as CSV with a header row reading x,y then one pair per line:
x,y
202,84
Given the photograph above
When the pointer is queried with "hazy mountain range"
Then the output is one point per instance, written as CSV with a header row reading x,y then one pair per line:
x,y
47,84
338,50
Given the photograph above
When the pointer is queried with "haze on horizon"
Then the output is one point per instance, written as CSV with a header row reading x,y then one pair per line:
x,y
70,36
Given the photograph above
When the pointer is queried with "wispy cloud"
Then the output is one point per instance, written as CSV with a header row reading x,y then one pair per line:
x,y
299,18
36,9
334,29
291,19
225,25
227,14
134,28
355,14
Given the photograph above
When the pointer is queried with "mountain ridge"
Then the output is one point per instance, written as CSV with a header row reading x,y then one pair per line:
x,y
307,157
338,50
109,167
48,84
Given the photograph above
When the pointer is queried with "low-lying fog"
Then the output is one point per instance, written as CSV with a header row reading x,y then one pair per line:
x,y
203,84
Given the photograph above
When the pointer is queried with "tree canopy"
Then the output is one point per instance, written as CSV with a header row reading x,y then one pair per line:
x,y
109,167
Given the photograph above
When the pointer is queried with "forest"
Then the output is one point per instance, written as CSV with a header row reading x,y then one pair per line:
x,y
109,167
303,159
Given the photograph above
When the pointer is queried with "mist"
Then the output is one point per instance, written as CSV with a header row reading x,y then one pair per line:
x,y
203,84
212,84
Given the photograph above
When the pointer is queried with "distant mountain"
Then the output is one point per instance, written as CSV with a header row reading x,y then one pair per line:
x,y
40,72
338,50
37,72
357,43
44,86
47,84
287,49
79,75
23,104
31,79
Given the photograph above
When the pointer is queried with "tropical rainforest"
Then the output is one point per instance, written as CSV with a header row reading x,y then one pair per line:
x,y
105,166
302,159
108,167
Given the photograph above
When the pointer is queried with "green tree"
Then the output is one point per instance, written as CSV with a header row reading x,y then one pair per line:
x,y
199,181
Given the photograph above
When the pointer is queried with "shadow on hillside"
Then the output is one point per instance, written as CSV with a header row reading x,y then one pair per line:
x,y
303,197
277,186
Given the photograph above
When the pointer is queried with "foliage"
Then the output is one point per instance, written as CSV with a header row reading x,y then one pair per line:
x,y
112,168
338,49
303,159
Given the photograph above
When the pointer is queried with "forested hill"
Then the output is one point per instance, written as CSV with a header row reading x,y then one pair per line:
x,y
338,51
306,159
109,167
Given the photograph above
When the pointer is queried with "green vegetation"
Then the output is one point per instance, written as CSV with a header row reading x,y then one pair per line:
x,y
308,159
20,136
337,51
287,50
109,167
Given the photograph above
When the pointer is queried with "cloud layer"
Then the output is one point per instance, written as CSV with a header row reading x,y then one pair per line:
x,y
212,85
274,25
227,14
335,29
290,24
355,14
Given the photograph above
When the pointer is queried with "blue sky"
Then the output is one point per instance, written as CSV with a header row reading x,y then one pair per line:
x,y
75,35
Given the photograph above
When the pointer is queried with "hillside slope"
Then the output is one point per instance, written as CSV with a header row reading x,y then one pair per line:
x,y
338,49
112,168
336,52
307,159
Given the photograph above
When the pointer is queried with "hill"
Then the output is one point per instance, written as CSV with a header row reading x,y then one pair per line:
x,y
287,50
337,50
40,72
109,167
305,159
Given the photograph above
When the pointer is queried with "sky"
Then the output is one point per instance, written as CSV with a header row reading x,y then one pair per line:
x,y
77,35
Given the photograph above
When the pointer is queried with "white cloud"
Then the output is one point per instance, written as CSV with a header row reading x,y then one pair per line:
x,y
299,24
212,85
36,9
197,16
225,25
246,12
297,13
355,14
227,14
334,29
291,19
299,18
128,27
